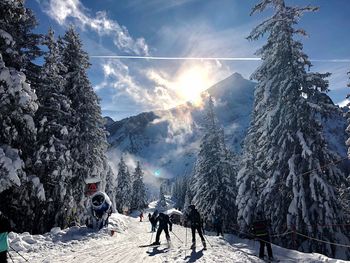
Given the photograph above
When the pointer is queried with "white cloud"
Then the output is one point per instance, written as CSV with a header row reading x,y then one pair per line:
x,y
118,76
66,11
158,89
343,103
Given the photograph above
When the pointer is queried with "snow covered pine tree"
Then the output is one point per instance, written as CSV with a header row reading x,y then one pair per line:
x,y
124,187
179,191
283,170
345,195
213,185
348,118
111,185
161,205
19,189
138,199
53,164
18,22
88,142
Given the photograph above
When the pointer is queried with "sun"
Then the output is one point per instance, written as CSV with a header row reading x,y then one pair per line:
x,y
191,83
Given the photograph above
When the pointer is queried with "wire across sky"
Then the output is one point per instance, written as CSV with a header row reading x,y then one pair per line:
x,y
206,58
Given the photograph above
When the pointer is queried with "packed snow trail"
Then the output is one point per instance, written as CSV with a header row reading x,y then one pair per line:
x,y
78,245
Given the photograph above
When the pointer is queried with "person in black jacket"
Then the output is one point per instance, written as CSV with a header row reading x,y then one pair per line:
x,y
153,220
196,224
164,221
261,230
217,222
5,228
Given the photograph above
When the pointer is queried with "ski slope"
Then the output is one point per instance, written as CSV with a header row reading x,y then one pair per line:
x,y
79,244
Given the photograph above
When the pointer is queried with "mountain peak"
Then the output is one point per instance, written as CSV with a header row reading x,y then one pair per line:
x,y
236,75
235,84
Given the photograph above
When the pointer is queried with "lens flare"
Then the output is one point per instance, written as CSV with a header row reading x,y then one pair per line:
x,y
157,173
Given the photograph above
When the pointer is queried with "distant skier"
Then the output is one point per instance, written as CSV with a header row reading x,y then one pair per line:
x,y
261,230
196,224
141,216
164,221
5,228
217,223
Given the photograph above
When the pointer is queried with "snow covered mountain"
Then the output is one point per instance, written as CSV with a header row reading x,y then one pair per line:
x,y
166,141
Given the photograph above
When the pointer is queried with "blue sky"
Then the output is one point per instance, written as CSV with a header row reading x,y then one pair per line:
x,y
184,28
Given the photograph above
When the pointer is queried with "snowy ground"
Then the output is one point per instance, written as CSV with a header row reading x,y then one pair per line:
x,y
77,245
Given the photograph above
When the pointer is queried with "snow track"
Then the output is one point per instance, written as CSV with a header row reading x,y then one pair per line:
x,y
124,247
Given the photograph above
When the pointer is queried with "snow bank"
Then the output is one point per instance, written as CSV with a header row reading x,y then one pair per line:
x,y
57,237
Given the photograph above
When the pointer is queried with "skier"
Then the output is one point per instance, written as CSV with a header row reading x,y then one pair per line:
x,y
217,223
5,228
196,224
141,216
153,220
261,231
164,221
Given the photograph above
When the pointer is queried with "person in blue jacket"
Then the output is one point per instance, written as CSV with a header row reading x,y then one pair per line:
x,y
5,228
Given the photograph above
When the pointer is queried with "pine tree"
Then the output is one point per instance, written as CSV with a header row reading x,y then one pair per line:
x,y
138,199
189,193
345,189
53,164
18,104
18,44
19,190
213,188
283,172
111,185
348,118
179,191
124,187
87,138
161,205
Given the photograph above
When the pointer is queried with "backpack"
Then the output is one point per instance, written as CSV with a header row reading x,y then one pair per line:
x,y
195,218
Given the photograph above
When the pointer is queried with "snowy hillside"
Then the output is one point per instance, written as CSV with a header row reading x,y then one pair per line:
x,y
167,141
79,244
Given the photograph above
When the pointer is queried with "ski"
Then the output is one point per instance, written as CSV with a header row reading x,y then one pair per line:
x,y
150,245
269,260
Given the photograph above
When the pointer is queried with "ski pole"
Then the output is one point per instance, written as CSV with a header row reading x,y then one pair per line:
x,y
186,241
207,240
176,236
19,254
10,257
151,238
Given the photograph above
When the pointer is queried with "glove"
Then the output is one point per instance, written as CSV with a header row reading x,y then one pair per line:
x,y
171,229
